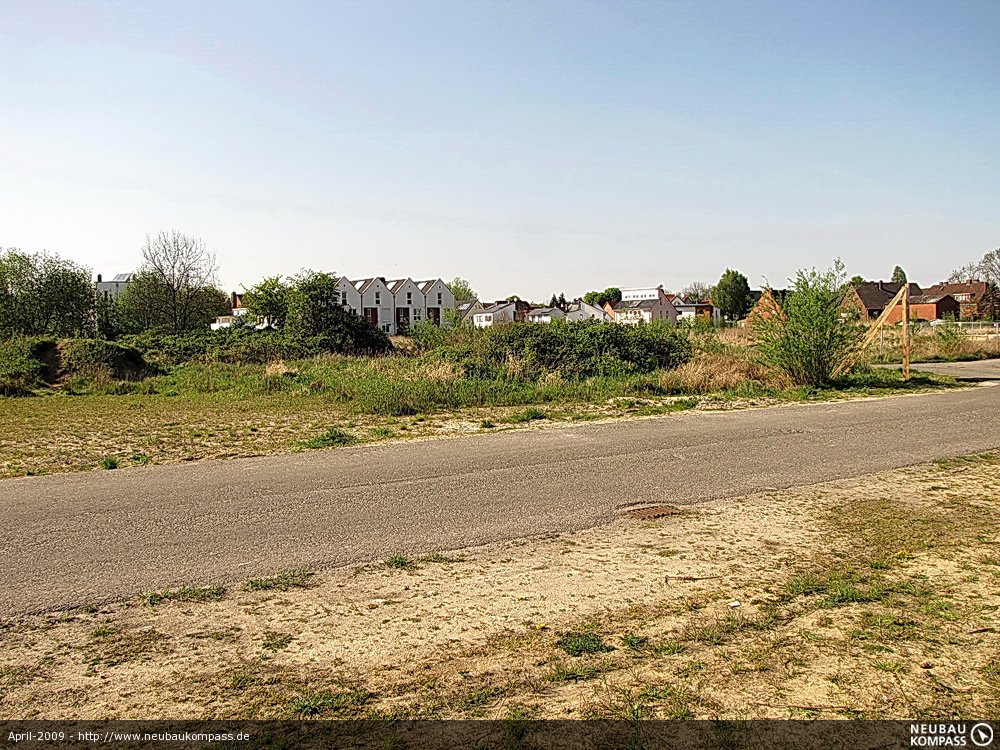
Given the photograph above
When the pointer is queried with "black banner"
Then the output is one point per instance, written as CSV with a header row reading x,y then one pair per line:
x,y
503,735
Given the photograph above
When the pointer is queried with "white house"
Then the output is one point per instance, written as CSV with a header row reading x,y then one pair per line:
x,y
438,298
495,314
644,305
348,295
545,315
466,308
376,303
408,300
111,289
689,308
579,310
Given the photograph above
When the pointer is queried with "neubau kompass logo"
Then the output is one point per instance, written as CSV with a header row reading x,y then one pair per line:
x,y
957,734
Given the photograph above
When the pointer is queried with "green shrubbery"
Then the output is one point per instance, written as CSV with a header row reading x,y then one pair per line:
x,y
25,363
90,357
241,345
572,350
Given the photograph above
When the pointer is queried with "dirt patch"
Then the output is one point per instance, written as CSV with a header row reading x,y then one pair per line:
x,y
874,597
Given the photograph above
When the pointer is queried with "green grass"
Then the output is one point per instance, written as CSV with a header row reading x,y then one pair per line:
x,y
185,594
289,579
332,438
400,562
277,641
327,703
561,672
528,415
578,643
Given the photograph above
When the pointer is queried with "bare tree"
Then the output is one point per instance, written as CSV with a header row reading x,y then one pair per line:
x,y
176,285
697,289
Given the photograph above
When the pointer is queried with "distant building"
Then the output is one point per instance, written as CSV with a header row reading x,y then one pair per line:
x,y
501,312
976,299
871,297
111,289
545,315
578,310
642,305
466,308
926,307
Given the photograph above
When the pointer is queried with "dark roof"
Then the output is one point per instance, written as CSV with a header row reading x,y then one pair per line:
x,y
636,304
875,295
929,299
977,289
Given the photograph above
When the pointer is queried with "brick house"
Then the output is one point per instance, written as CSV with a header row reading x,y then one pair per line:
x,y
926,307
976,299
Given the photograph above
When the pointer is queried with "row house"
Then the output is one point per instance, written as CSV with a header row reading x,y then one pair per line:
x,y
396,305
642,305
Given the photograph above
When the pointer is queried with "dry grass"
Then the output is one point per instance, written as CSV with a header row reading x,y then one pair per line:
x,y
846,599
710,373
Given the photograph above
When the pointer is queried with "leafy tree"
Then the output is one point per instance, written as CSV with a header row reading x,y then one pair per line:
x,y
562,301
175,288
268,301
898,275
611,294
732,295
857,280
813,337
314,310
461,289
43,294
512,298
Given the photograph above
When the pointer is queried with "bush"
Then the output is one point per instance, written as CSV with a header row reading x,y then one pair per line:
x,y
90,357
25,363
814,335
528,351
241,345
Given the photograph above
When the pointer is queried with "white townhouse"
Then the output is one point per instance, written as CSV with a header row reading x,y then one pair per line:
x,y
348,295
580,310
643,305
408,300
437,299
376,302
545,315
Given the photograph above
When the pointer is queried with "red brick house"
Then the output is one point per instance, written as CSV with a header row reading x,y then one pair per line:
x,y
871,297
976,299
926,307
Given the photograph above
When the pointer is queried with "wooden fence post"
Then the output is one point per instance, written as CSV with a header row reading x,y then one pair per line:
x,y
906,331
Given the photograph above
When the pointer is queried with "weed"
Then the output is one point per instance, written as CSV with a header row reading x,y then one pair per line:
x,y
437,557
109,462
290,579
185,594
562,672
634,642
487,424
277,641
326,703
527,415
332,438
400,562
578,643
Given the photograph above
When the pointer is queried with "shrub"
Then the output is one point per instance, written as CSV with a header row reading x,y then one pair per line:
x,y
815,335
528,351
88,357
25,363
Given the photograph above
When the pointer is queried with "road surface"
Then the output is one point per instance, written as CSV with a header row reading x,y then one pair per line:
x,y
72,539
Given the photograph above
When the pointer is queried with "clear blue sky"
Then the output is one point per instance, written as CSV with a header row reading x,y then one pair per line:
x,y
531,147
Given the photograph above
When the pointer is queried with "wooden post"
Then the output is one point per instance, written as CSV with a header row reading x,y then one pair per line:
x,y
906,331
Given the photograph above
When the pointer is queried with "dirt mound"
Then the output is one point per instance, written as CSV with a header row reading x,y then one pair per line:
x,y
91,357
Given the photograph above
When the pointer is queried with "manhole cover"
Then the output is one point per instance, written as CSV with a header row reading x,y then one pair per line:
x,y
652,511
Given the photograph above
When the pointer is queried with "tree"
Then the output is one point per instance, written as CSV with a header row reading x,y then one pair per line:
x,y
461,289
732,295
175,288
814,337
314,310
699,290
43,294
857,280
562,301
512,298
267,301
611,294
898,275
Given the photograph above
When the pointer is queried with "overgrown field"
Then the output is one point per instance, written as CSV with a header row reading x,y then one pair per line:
x,y
222,410
874,597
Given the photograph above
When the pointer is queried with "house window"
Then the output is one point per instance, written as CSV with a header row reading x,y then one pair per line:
x,y
409,298
416,313
378,297
385,327
439,298
343,298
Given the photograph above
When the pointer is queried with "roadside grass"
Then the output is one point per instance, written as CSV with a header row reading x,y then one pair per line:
x,y
215,411
185,594
400,562
283,581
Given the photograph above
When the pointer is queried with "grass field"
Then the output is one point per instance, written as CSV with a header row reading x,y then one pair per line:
x,y
874,597
213,411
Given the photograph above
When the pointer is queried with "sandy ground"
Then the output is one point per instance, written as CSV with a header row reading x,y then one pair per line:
x,y
874,597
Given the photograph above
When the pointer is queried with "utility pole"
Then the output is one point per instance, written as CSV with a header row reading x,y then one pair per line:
x,y
906,331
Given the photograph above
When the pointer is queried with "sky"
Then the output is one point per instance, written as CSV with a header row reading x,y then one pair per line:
x,y
529,147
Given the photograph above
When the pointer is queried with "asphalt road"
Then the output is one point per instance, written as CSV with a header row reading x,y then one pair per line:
x,y
71,539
